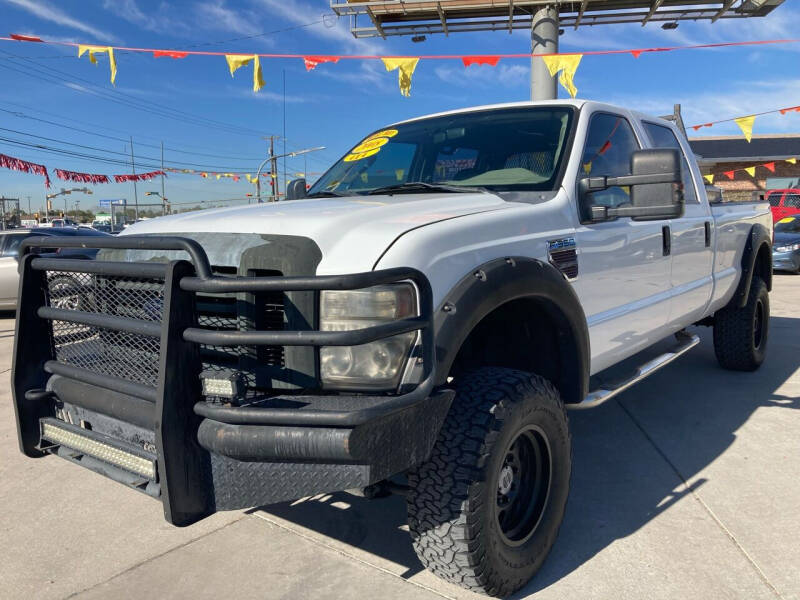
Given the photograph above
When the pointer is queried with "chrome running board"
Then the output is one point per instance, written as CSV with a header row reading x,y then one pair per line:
x,y
686,341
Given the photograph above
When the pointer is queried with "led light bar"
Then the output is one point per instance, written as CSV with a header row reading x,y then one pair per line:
x,y
99,450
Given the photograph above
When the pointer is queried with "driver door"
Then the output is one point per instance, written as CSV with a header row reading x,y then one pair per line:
x,y
624,277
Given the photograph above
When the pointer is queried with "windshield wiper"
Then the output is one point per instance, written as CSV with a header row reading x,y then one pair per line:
x,y
326,194
420,187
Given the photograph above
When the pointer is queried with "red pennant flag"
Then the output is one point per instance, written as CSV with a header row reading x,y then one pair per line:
x,y
17,164
311,62
169,54
770,166
696,127
729,174
25,38
81,177
636,53
480,60
605,148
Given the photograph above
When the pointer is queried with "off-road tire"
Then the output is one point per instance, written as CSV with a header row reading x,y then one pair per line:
x,y
740,343
454,495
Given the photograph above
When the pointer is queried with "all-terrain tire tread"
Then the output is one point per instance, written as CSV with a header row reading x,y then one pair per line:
x,y
733,341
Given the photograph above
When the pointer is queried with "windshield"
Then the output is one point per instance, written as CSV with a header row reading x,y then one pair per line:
x,y
788,225
505,149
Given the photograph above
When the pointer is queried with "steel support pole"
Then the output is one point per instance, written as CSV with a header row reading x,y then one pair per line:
x,y
544,40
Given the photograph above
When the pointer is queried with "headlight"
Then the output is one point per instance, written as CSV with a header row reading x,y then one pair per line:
x,y
377,365
788,248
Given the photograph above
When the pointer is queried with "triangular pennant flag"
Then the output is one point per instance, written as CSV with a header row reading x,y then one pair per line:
x,y
636,53
709,178
405,67
587,167
696,127
92,50
729,174
567,64
791,108
311,62
769,166
791,161
751,171
169,54
746,125
235,61
480,60
218,176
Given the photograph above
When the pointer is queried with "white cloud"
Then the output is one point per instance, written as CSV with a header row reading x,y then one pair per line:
x,y
509,75
46,12
156,20
214,14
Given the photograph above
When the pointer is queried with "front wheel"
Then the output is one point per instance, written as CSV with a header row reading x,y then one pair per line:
x,y
485,508
740,333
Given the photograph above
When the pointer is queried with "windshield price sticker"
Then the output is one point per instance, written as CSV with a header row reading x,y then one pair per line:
x,y
371,145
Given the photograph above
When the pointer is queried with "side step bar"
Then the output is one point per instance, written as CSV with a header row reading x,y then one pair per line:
x,y
686,341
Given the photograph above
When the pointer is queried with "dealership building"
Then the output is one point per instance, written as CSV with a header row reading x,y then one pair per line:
x,y
718,154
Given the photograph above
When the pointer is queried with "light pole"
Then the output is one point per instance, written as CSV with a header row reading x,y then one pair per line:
x,y
273,159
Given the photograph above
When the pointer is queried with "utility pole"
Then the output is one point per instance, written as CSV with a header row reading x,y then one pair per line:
x,y
544,40
163,199
273,169
284,132
29,205
135,193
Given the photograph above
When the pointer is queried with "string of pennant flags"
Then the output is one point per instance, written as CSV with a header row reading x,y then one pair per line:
x,y
746,123
565,64
18,164
751,170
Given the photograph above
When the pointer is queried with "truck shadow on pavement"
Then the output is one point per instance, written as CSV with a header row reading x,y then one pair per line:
x,y
631,459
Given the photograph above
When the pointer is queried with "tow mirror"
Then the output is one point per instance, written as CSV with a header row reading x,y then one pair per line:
x,y
655,188
296,189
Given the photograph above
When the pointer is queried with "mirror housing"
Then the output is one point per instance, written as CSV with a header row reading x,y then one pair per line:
x,y
296,189
656,188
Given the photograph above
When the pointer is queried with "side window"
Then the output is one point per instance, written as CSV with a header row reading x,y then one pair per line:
x,y
774,199
610,142
792,201
664,137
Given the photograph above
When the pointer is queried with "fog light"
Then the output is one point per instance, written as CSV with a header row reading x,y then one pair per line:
x,y
230,385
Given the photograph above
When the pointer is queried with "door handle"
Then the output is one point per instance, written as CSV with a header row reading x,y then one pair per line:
x,y
666,240
708,233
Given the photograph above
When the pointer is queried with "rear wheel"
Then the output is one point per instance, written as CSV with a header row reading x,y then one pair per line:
x,y
740,333
485,508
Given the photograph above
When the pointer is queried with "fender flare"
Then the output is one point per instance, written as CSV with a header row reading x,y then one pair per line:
x,y
759,236
502,280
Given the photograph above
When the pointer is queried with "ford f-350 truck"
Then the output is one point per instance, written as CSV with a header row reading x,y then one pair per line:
x,y
430,308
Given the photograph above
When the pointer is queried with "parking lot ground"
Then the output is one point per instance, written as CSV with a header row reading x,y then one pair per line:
x,y
686,486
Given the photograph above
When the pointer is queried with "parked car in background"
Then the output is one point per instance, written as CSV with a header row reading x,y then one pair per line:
x,y
9,252
786,248
784,203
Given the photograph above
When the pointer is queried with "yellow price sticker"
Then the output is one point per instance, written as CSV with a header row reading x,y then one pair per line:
x,y
387,133
360,155
370,144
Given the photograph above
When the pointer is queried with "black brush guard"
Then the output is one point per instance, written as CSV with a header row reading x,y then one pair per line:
x,y
210,456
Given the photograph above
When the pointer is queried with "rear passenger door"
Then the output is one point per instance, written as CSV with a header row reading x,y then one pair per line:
x,y
624,268
692,237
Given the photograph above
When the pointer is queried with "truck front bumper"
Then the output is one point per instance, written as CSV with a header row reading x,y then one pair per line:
x,y
162,437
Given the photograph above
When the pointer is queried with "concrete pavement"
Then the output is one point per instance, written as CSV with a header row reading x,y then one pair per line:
x,y
686,486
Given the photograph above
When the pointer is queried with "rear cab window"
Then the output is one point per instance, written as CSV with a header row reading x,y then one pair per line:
x,y
662,136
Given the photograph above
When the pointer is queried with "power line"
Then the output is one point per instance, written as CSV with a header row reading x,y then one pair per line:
x,y
23,115
172,164
53,76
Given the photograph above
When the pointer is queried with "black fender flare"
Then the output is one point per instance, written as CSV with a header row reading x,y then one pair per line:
x,y
759,236
502,280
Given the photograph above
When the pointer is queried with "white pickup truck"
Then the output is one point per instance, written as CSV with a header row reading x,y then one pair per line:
x,y
430,310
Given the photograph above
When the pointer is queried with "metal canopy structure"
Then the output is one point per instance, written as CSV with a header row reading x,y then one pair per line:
x,y
426,17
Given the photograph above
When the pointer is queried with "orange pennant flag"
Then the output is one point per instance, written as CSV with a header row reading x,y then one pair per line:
x,y
770,166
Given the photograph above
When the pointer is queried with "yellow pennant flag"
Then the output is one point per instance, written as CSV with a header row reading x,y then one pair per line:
x,y
92,50
406,68
567,64
746,125
709,178
750,171
218,176
235,61
791,161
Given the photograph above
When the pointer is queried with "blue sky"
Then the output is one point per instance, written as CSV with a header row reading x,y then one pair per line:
x,y
335,105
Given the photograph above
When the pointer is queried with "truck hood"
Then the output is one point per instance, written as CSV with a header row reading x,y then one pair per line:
x,y
351,232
